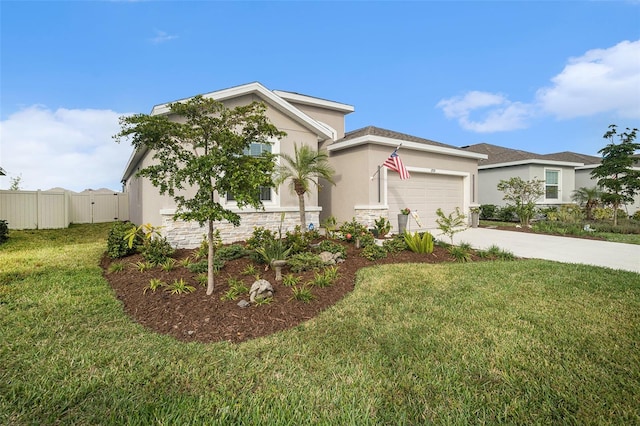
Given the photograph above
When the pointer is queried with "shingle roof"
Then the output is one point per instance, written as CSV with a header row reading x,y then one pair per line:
x,y
498,154
377,131
573,157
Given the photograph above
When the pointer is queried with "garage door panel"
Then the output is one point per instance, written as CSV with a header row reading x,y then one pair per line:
x,y
424,193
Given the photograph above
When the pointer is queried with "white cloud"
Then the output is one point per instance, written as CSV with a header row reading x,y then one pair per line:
x,y
598,82
497,112
601,80
66,148
162,36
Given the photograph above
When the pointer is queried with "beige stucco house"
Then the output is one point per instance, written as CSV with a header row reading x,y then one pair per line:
x,y
441,175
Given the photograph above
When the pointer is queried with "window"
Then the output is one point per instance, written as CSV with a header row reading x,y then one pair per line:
x,y
551,184
265,194
255,150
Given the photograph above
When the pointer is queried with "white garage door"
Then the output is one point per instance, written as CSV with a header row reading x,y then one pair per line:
x,y
424,193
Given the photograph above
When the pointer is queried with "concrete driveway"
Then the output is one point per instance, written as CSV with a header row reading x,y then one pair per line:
x,y
561,249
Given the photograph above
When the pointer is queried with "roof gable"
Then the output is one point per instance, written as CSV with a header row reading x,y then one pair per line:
x,y
268,96
272,99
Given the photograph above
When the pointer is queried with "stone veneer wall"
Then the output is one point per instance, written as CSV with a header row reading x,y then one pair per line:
x,y
367,216
181,234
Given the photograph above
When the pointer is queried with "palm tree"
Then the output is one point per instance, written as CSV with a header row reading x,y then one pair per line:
x,y
304,168
587,197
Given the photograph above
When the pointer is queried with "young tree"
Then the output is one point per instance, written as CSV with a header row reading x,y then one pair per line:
x,y
587,197
522,195
15,183
304,168
204,152
616,176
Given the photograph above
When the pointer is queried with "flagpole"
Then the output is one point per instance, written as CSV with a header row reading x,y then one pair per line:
x,y
379,167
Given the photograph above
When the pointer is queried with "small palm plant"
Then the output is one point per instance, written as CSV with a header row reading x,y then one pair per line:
x,y
304,168
589,198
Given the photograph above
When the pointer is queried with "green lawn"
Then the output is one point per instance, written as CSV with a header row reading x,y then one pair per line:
x,y
606,236
527,342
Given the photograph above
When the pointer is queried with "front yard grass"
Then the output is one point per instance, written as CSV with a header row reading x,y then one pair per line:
x,y
489,342
606,236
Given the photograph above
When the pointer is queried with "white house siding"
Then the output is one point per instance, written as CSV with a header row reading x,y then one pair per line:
x,y
489,179
584,180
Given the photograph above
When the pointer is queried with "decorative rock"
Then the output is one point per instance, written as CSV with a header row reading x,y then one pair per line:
x,y
260,290
244,304
329,258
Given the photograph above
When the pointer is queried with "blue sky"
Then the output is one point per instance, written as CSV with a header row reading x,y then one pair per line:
x,y
539,76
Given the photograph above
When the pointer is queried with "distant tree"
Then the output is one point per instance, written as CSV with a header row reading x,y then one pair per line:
x,y
589,198
522,195
15,183
303,169
615,174
205,152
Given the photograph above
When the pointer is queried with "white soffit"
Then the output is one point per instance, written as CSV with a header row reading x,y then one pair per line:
x,y
416,146
310,100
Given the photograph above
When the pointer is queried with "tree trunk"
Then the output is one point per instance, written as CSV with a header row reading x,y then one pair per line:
x,y
303,221
210,255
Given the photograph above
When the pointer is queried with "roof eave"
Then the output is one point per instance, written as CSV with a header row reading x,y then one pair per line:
x,y
530,161
309,100
381,140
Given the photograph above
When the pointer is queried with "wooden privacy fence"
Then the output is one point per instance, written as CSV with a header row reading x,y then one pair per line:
x,y
58,209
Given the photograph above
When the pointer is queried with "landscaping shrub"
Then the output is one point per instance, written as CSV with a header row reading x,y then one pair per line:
x,y
273,250
367,239
636,215
459,253
117,245
487,211
419,242
4,231
353,229
259,237
332,247
568,213
506,214
299,241
620,228
231,252
202,266
304,262
382,226
156,251
302,293
373,252
395,244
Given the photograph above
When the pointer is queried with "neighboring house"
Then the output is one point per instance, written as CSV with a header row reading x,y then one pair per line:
x,y
505,163
585,180
563,173
441,175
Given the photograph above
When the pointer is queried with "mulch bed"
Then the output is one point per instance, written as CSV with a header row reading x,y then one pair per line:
x,y
198,317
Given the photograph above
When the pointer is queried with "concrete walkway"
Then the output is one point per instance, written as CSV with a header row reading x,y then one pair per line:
x,y
561,249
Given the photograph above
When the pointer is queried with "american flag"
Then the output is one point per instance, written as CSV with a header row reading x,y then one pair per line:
x,y
395,163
